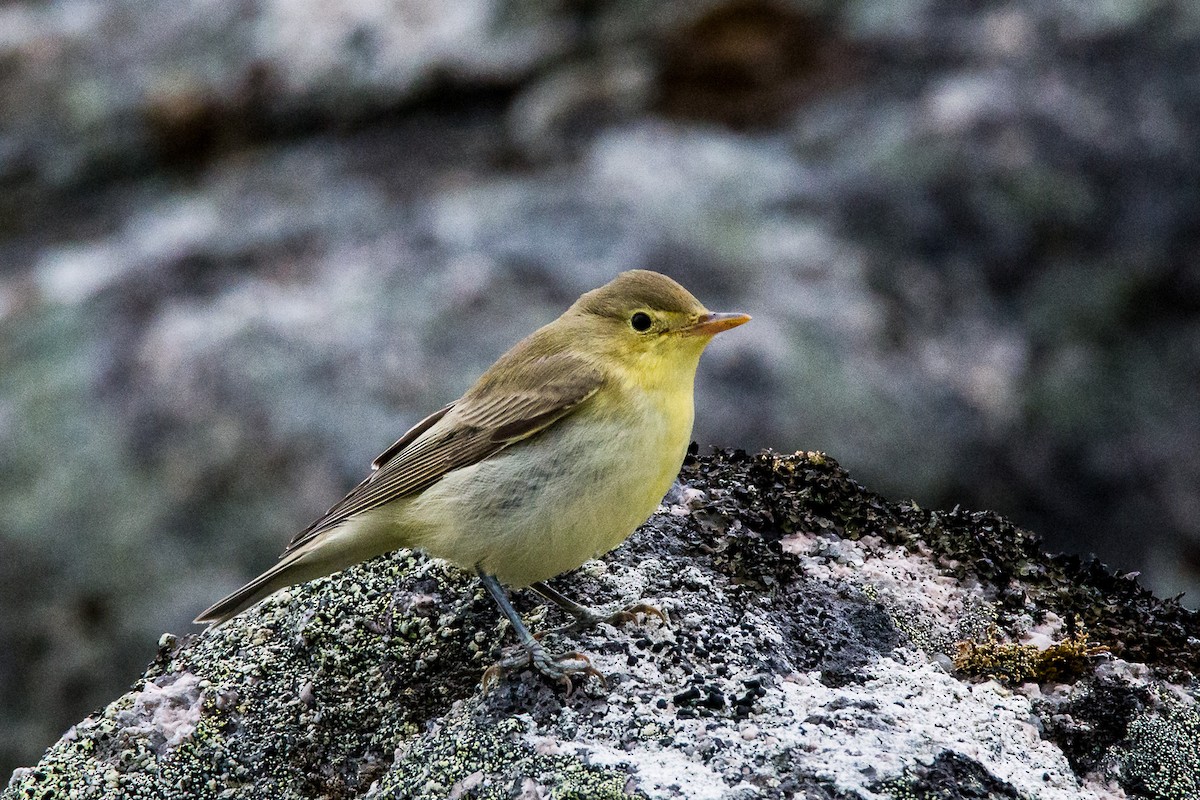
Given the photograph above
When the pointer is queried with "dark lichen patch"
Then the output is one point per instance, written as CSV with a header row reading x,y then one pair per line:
x,y
774,495
763,497
1013,664
1093,720
1130,621
799,625
951,776
834,631
806,784
492,760
1161,758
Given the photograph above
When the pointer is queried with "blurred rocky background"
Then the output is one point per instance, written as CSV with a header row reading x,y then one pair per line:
x,y
243,245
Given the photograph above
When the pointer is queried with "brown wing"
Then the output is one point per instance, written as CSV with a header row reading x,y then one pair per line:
x,y
465,432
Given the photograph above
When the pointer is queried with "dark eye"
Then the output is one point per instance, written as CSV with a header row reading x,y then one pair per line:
x,y
641,322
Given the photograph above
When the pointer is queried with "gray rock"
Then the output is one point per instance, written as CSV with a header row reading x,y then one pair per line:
x,y
811,627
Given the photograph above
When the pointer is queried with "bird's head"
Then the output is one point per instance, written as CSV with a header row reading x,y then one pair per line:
x,y
647,321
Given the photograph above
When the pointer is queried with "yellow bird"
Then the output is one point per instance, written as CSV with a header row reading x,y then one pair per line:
x,y
555,455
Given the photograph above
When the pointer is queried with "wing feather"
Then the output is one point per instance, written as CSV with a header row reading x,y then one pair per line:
x,y
466,432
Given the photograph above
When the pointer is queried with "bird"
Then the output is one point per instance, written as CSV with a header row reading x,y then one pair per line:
x,y
556,454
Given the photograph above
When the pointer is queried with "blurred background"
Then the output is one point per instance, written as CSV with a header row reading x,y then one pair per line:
x,y
244,245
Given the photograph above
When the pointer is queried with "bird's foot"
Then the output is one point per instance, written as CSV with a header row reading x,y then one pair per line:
x,y
630,614
590,617
556,667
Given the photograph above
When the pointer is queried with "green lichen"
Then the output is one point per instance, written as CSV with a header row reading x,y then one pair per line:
x,y
313,693
1161,757
282,690
930,634
493,762
367,681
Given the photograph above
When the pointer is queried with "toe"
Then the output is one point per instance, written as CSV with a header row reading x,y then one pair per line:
x,y
647,610
491,676
631,613
509,663
621,617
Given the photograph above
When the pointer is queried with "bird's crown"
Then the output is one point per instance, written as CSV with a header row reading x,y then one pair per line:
x,y
638,288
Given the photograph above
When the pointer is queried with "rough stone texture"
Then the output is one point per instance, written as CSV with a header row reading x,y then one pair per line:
x,y
243,244
808,656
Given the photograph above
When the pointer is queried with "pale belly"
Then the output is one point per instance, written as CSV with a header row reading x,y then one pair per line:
x,y
543,507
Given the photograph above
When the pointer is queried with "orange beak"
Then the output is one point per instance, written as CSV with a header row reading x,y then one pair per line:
x,y
712,323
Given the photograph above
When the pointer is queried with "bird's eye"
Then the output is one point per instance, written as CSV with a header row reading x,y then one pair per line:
x,y
641,322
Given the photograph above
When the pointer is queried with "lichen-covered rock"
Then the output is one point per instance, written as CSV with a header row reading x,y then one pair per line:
x,y
808,654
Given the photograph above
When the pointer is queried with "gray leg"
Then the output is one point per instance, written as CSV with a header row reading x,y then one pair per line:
x,y
587,617
584,615
559,667
501,597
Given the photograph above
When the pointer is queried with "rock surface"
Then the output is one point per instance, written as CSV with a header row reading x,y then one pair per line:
x,y
811,653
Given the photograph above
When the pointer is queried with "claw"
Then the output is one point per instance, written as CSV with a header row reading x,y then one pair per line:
x,y
588,672
559,667
629,614
621,617
491,675
566,671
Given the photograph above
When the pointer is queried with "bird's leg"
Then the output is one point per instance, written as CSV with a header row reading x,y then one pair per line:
x,y
559,667
587,617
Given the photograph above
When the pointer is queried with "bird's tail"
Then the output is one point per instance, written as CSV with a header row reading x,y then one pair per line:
x,y
329,552
290,570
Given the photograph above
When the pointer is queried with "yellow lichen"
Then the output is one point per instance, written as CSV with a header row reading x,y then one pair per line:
x,y
1012,664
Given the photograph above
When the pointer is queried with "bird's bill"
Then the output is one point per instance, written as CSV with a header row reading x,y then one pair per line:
x,y
714,322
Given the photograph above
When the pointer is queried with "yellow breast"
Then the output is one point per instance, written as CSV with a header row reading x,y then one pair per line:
x,y
545,505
